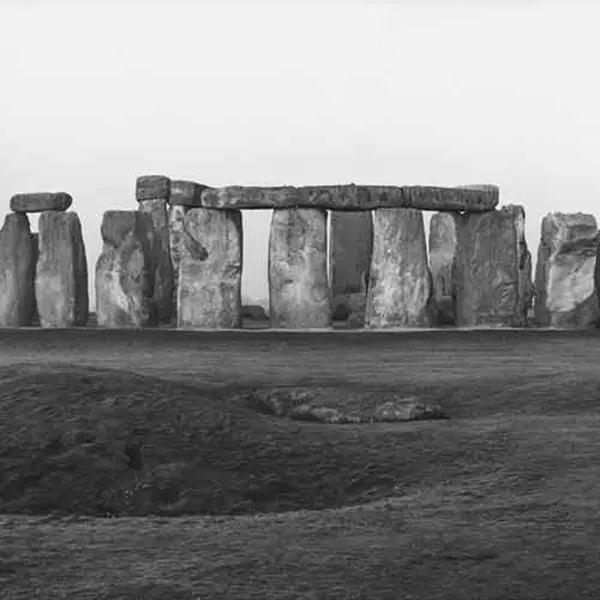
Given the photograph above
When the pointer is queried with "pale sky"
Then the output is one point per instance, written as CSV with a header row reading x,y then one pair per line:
x,y
439,93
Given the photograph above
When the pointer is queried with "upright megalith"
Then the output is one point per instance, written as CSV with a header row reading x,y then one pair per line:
x,y
39,202
210,270
176,217
17,271
299,295
61,280
125,271
564,277
442,252
350,247
152,193
35,318
492,269
400,287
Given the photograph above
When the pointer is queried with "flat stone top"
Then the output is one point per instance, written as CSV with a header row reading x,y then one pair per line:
x,y
351,197
40,201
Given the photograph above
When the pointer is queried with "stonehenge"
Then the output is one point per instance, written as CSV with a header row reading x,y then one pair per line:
x,y
351,252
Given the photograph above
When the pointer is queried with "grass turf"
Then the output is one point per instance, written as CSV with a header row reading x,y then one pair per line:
x,y
217,500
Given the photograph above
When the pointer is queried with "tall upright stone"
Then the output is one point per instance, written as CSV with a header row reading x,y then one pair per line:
x,y
492,269
125,271
442,252
299,294
350,247
176,218
564,278
152,193
61,281
210,270
17,272
400,286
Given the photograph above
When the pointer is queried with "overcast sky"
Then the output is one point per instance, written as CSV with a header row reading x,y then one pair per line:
x,y
96,93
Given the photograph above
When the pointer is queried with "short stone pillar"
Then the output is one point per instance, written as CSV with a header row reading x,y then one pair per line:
x,y
152,193
210,270
299,295
442,252
61,280
492,273
350,247
400,288
17,272
564,277
125,271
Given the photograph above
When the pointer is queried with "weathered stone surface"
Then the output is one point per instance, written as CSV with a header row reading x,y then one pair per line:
x,y
176,239
31,203
442,252
186,193
163,271
299,295
255,312
210,270
491,269
35,318
350,247
17,271
400,288
152,187
125,271
352,197
61,280
564,278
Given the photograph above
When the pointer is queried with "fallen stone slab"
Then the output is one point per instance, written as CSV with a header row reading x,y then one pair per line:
x,y
299,294
564,280
210,270
17,271
152,187
400,287
39,202
354,197
61,280
125,271
186,193
491,269
442,252
163,271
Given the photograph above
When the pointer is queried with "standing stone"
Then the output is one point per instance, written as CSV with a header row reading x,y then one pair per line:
x,y
400,287
210,270
61,280
163,271
125,271
35,317
442,252
176,239
350,247
492,269
299,295
17,272
564,278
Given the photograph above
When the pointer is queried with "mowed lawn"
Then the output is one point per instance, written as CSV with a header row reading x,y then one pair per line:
x,y
130,467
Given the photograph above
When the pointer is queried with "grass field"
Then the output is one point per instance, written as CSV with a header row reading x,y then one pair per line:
x,y
131,469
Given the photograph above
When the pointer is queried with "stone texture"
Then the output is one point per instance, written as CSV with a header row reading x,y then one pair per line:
x,y
442,252
31,203
17,271
299,295
152,187
176,218
35,318
125,271
400,287
210,270
163,271
61,280
564,278
491,269
186,193
354,197
350,247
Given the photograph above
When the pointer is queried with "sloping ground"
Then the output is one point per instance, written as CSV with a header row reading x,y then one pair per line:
x,y
499,501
